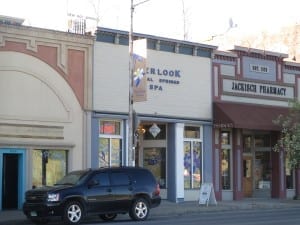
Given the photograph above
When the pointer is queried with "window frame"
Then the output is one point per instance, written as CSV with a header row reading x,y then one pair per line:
x,y
45,157
191,141
227,147
111,138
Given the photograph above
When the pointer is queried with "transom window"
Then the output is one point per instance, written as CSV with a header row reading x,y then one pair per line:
x,y
110,127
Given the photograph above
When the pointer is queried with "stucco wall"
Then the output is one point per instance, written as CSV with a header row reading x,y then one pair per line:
x,y
177,84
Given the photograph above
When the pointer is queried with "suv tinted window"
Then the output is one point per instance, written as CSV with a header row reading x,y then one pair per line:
x,y
143,177
101,179
72,178
119,179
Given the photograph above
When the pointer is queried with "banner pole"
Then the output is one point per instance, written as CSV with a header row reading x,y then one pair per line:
x,y
131,154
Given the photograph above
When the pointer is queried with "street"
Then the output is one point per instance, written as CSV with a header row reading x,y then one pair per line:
x,y
244,217
259,216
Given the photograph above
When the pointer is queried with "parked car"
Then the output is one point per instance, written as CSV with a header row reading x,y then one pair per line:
x,y
105,192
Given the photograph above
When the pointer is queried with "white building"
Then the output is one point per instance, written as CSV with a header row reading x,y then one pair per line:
x,y
178,106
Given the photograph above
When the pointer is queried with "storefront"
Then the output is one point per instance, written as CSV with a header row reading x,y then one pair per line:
x,y
174,124
44,81
251,89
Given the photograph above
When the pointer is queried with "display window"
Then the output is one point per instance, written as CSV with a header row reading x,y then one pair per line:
x,y
48,166
225,169
226,155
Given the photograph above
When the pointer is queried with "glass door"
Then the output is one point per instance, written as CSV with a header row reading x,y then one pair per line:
x,y
152,152
256,165
192,164
262,175
248,146
155,161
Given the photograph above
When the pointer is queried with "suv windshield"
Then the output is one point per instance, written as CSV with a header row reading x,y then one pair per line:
x,y
72,178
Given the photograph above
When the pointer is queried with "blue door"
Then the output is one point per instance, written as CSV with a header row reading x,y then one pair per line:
x,y
12,178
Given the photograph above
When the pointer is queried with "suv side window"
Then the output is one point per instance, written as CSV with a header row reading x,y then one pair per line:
x,y
101,179
119,178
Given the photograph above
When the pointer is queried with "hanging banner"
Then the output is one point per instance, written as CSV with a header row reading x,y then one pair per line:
x,y
139,70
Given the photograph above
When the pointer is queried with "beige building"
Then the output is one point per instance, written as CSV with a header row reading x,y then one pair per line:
x,y
45,97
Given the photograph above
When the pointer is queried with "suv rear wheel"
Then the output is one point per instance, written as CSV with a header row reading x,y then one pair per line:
x,y
139,209
73,213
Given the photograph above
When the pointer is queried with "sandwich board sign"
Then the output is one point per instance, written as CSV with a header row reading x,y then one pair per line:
x,y
207,194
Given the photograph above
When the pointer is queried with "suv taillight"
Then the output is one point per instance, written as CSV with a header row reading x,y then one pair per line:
x,y
157,190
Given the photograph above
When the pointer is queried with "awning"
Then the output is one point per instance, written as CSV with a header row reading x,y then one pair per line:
x,y
247,116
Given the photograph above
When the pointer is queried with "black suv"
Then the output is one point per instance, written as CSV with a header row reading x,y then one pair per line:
x,y
105,192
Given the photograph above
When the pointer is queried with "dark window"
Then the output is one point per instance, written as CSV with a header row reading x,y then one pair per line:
x,y
167,46
103,37
247,143
143,177
203,53
185,49
119,179
263,140
102,179
123,40
151,44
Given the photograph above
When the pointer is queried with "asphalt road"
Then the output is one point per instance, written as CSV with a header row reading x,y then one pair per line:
x,y
289,216
276,216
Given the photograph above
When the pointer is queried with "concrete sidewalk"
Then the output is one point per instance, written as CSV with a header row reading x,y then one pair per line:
x,y
16,217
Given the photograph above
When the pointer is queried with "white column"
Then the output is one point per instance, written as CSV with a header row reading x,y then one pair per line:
x,y
179,167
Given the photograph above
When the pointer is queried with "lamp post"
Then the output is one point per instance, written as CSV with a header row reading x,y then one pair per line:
x,y
131,146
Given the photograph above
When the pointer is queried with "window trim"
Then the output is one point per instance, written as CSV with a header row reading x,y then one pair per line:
x,y
192,140
227,147
110,137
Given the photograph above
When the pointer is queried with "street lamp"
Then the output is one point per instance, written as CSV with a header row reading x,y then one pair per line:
x,y
131,145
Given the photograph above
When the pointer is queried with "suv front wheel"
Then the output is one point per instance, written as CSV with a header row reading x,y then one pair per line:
x,y
139,209
73,213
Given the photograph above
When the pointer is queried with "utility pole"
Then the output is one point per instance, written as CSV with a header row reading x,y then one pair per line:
x,y
131,146
131,150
